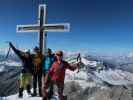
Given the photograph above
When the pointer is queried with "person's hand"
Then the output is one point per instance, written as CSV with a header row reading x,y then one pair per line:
x,y
10,43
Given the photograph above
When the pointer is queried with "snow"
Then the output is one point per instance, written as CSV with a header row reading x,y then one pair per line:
x,y
130,55
2,68
87,62
70,75
27,97
11,63
8,63
116,77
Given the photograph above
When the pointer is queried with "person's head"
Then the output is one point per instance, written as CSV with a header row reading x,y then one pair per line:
x,y
48,52
27,54
36,50
59,55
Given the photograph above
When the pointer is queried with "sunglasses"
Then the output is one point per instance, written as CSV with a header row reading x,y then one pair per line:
x,y
59,55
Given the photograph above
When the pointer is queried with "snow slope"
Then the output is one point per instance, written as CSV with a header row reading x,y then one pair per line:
x,y
27,97
10,63
2,68
114,77
87,62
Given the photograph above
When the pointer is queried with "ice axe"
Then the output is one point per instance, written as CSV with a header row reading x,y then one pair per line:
x,y
78,61
8,50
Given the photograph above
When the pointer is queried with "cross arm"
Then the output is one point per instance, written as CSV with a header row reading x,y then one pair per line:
x,y
28,28
64,27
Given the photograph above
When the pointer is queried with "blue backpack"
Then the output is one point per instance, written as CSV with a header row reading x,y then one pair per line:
x,y
47,63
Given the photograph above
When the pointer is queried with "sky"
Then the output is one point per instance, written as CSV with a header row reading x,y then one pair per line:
x,y
104,26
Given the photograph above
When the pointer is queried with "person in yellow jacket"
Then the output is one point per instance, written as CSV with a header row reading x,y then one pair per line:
x,y
37,72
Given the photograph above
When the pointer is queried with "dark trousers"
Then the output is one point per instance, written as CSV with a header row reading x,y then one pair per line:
x,y
47,80
37,80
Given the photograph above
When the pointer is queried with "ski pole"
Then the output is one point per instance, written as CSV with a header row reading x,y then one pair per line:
x,y
8,50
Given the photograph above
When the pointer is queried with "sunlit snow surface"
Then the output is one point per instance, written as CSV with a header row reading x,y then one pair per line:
x,y
10,63
87,62
114,77
2,68
27,97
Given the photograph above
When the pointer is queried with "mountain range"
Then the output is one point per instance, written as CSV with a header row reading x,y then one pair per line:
x,y
107,78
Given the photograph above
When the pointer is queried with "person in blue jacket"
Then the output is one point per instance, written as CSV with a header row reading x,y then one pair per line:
x,y
47,62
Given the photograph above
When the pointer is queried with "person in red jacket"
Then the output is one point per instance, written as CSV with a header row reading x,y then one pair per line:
x,y
57,74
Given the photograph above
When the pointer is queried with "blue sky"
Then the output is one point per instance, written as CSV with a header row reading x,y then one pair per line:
x,y
99,25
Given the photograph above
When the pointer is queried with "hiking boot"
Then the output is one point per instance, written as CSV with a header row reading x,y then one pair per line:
x,y
28,89
65,97
44,98
34,94
50,94
20,93
40,92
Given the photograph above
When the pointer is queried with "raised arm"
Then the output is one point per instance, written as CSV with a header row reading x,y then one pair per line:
x,y
17,52
71,66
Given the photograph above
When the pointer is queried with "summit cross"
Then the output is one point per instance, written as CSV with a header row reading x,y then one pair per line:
x,y
42,28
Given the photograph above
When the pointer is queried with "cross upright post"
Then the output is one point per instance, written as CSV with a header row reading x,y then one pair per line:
x,y
42,44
